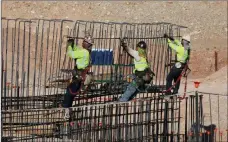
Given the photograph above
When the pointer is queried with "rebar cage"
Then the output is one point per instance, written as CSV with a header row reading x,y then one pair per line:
x,y
200,117
34,55
33,83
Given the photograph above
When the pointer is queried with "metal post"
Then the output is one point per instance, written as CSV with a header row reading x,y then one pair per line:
x,y
186,118
216,60
197,117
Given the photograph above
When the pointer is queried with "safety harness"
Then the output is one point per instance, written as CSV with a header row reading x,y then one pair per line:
x,y
183,73
82,77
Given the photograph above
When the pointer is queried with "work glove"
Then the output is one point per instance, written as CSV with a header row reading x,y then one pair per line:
x,y
123,42
166,36
70,42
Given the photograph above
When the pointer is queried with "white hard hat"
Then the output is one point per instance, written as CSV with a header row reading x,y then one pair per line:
x,y
186,37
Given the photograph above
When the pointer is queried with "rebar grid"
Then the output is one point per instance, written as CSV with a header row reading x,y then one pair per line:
x,y
33,54
152,119
131,121
208,122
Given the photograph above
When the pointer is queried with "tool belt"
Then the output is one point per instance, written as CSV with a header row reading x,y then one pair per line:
x,y
82,75
179,65
77,73
143,77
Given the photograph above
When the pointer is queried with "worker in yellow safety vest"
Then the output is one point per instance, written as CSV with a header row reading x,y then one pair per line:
x,y
142,72
82,56
182,50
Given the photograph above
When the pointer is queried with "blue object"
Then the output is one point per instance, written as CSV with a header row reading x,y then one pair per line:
x,y
93,55
102,56
110,57
105,56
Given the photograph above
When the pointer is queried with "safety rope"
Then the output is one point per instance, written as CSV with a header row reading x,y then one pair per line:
x,y
178,79
185,88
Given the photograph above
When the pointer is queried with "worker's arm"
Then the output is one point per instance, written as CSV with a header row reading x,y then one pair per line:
x,y
177,42
175,45
130,51
133,53
74,53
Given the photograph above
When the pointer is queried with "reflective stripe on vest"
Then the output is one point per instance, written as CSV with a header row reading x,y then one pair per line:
x,y
141,65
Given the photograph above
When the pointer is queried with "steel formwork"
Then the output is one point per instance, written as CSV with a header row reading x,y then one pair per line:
x,y
33,57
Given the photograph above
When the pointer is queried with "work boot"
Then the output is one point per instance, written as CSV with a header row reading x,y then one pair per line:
x,y
166,98
175,92
168,93
66,113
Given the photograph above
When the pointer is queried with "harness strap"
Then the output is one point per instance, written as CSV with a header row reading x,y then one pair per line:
x,y
83,79
178,79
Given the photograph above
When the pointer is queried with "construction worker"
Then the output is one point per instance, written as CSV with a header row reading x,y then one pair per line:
x,y
142,72
82,56
182,49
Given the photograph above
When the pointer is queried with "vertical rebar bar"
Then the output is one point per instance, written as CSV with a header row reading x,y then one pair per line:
x,y
135,114
197,116
172,121
186,120
6,52
179,117
216,61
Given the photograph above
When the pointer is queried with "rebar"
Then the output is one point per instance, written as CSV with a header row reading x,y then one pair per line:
x,y
33,85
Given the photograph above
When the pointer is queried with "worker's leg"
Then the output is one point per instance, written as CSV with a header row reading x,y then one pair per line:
x,y
67,100
134,95
177,75
169,80
69,97
130,92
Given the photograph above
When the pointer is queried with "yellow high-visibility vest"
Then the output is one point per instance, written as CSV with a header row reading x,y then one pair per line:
x,y
182,54
141,65
82,55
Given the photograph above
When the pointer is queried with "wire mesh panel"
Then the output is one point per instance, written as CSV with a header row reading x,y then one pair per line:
x,y
206,117
34,55
141,120
29,52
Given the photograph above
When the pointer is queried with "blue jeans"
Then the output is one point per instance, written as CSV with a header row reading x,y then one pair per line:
x,y
130,93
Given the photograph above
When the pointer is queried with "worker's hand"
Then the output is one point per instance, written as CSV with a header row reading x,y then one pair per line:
x,y
123,42
69,43
166,36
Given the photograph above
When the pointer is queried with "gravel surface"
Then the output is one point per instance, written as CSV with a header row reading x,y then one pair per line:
x,y
206,20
